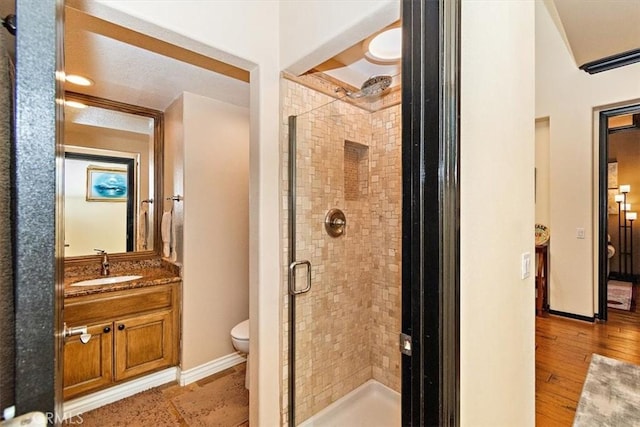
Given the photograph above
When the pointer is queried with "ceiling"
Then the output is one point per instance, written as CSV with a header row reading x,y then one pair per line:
x,y
596,29
135,69
127,71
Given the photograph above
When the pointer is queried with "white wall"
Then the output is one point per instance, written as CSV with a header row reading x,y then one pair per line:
x,y
497,214
568,97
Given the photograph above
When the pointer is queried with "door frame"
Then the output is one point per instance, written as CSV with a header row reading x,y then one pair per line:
x,y
603,156
430,212
37,250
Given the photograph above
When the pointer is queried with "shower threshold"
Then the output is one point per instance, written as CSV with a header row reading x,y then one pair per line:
x,y
370,405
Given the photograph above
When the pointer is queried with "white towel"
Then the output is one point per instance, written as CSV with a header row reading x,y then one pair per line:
x,y
165,227
174,254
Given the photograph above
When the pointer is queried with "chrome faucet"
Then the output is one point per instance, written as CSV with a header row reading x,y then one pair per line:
x,y
105,262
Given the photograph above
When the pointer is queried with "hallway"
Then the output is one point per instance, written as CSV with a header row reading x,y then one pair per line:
x,y
563,353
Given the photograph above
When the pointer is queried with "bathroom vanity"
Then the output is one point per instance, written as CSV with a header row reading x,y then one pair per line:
x,y
132,327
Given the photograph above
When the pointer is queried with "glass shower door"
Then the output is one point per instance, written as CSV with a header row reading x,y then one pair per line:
x,y
330,257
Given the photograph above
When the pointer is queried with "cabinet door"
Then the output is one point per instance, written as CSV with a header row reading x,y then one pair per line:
x,y
144,343
88,366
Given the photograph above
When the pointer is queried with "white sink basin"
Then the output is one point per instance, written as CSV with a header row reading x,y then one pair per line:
x,y
106,280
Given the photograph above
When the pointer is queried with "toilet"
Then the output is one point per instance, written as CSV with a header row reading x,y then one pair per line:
x,y
240,340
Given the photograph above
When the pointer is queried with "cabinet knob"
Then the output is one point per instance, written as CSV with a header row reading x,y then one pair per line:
x,y
106,330
120,327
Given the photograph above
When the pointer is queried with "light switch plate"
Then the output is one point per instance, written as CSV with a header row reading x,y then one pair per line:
x,y
580,233
525,265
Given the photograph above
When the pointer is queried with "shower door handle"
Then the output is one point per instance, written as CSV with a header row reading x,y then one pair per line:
x,y
292,277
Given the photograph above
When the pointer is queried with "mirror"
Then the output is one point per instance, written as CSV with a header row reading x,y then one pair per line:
x,y
113,177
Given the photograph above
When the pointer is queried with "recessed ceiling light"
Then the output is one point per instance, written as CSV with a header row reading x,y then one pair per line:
x,y
385,47
75,104
78,80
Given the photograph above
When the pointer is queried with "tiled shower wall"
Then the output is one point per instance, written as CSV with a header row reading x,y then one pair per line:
x,y
386,244
347,326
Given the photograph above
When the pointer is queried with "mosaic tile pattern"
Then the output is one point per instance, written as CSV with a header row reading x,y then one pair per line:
x,y
355,277
356,171
386,237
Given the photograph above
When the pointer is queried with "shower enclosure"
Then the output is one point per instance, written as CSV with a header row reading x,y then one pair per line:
x,y
344,237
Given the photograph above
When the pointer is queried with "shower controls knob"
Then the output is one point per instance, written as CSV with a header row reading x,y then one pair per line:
x,y
334,222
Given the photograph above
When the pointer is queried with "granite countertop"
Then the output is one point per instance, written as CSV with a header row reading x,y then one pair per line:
x,y
153,272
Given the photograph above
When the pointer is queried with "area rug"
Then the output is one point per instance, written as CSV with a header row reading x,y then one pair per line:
x,y
619,294
221,403
144,409
610,395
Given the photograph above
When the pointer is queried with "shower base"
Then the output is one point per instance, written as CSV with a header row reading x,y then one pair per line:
x,y
370,405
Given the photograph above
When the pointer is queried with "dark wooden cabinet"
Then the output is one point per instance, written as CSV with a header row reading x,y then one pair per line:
x,y
133,332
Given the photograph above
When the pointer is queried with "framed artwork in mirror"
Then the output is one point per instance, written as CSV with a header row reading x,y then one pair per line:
x,y
107,184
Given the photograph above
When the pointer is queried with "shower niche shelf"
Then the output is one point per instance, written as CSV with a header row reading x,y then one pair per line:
x,y
356,171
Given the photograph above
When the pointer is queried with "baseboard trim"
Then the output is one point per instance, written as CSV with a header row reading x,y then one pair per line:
x,y
220,364
95,400
572,316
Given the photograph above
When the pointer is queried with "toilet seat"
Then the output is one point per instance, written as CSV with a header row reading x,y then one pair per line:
x,y
241,331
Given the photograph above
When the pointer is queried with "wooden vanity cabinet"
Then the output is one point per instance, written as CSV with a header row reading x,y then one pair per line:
x,y
88,366
143,344
133,332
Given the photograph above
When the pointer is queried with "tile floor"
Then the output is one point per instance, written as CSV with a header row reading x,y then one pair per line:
x,y
216,401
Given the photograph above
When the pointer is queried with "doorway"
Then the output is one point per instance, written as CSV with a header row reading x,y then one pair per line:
x,y
618,260
431,371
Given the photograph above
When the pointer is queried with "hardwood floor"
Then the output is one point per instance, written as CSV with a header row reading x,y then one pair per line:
x,y
563,353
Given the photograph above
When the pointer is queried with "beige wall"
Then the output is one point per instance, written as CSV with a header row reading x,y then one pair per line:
x,y
215,222
497,214
568,96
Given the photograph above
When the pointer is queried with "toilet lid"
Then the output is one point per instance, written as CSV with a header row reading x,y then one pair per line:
x,y
241,330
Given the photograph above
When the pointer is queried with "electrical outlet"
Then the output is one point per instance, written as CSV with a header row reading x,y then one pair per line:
x,y
580,233
525,267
